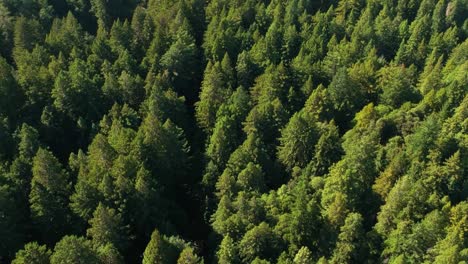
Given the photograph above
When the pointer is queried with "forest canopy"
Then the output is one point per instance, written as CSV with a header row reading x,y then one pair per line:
x,y
233,131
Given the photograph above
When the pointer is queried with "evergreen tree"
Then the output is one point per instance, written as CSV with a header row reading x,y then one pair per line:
x,y
214,91
180,64
32,253
155,250
251,178
453,247
328,149
187,256
98,7
396,84
303,256
50,189
26,33
9,92
258,242
109,254
349,241
72,249
107,227
319,131
12,228
228,251
346,95
298,139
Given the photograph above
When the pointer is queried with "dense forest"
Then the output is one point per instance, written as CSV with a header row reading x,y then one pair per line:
x,y
233,131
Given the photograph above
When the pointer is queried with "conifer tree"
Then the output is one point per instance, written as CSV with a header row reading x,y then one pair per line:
x,y
33,253
298,140
72,249
349,241
187,256
50,189
155,250
106,227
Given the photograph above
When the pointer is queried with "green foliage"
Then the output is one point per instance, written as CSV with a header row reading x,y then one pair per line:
x,y
328,149
242,131
50,189
26,33
349,241
154,252
109,254
187,256
65,34
297,141
10,225
251,179
258,242
72,249
180,63
397,85
162,249
453,247
228,251
32,253
106,228
9,94
214,91
303,256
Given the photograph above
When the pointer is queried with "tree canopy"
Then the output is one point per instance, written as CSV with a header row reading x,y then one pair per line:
x,y
233,131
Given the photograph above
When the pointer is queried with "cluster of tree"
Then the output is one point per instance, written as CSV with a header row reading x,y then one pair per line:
x,y
233,131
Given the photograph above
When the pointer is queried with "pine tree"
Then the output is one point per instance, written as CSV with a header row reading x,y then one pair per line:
x,y
155,250
142,28
346,95
50,189
188,256
298,140
180,64
98,7
33,253
26,33
258,242
349,241
228,252
106,227
214,91
227,134
397,85
327,150
10,96
251,179
453,247
12,224
303,256
109,254
73,250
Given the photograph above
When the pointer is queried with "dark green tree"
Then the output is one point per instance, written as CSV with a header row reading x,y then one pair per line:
x,y
50,189
10,94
